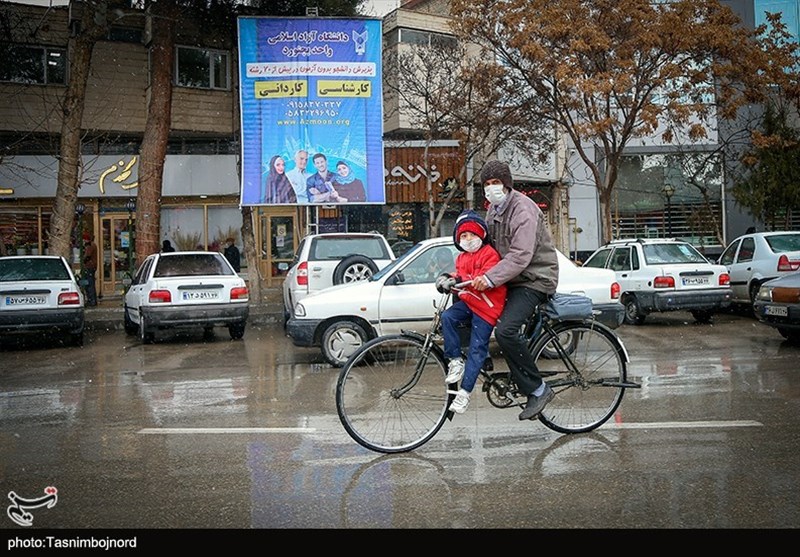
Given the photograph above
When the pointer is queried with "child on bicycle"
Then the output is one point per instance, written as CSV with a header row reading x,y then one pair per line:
x,y
478,309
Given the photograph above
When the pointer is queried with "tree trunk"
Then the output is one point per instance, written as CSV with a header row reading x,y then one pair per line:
x,y
604,196
156,130
251,254
92,27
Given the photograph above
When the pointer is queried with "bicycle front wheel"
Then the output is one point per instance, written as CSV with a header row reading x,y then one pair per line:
x,y
391,396
585,364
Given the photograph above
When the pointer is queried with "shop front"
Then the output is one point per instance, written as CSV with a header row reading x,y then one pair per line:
x,y
199,209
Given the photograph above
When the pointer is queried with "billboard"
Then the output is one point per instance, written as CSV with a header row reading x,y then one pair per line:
x,y
311,111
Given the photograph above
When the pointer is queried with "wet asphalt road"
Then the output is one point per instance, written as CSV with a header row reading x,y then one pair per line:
x,y
194,433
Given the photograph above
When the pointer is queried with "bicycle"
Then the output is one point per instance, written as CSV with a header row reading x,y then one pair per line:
x,y
391,396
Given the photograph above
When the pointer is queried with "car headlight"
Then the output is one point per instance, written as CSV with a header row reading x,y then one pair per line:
x,y
764,294
299,310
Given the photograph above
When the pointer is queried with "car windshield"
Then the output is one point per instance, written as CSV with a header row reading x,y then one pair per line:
x,y
339,247
32,269
672,254
784,242
399,261
191,264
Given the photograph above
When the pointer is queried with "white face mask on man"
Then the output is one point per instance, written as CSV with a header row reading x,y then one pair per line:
x,y
494,193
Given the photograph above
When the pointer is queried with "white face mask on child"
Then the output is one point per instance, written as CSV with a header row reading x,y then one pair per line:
x,y
494,193
471,246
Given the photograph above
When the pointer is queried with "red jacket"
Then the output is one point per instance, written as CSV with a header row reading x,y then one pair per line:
x,y
489,303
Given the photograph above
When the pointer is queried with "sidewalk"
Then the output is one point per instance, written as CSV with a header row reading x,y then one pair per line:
x,y
107,315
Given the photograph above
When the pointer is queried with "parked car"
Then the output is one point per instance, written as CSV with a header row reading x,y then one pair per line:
x,y
324,260
753,259
40,294
778,305
186,289
401,296
664,275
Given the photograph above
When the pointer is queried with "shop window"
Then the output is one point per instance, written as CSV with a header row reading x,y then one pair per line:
x,y
184,227
224,223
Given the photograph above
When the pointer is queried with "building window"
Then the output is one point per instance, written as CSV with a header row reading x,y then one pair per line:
x,y
202,68
789,10
33,64
422,38
692,211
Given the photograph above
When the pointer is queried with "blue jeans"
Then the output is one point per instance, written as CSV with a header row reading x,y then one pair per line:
x,y
481,332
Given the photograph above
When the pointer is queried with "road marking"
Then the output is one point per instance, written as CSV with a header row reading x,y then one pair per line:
x,y
678,425
181,430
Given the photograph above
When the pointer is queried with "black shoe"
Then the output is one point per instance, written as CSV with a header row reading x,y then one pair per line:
x,y
536,404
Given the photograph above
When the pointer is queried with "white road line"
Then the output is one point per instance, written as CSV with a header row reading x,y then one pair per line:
x,y
608,425
183,430
678,425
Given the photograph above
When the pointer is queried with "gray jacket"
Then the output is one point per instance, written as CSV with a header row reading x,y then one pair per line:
x,y
521,235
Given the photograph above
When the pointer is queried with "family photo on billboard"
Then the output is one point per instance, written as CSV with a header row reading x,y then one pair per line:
x,y
312,113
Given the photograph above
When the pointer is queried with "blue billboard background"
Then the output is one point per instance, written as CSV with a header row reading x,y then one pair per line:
x,y
315,85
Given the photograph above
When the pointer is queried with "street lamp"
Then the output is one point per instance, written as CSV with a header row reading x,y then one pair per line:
x,y
130,206
668,192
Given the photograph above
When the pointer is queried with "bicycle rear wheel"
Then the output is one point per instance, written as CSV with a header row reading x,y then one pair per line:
x,y
588,375
391,396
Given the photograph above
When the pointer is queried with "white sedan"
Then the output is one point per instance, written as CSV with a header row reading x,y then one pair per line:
x,y
401,296
186,289
40,294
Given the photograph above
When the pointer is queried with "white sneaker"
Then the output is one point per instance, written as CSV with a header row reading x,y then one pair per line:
x,y
460,403
455,371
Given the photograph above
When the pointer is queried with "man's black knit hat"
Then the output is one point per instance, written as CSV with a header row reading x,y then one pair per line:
x,y
498,170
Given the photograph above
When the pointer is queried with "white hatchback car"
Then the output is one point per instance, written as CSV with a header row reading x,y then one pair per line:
x,y
39,294
753,259
401,296
659,274
324,260
186,289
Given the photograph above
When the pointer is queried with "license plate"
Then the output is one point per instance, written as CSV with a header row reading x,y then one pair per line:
x,y
778,311
201,295
695,281
25,300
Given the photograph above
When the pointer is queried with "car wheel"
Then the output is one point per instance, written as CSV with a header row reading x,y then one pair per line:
x,y
208,333
354,268
146,335
236,331
702,315
754,288
130,326
633,313
340,340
